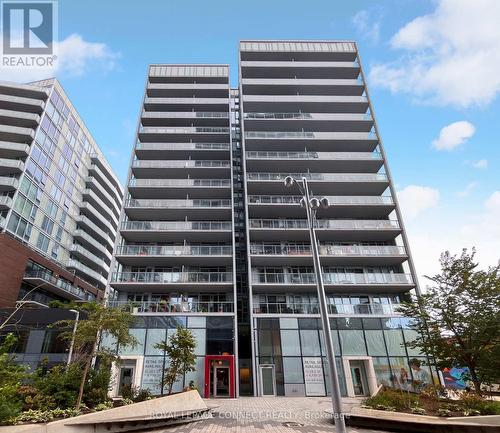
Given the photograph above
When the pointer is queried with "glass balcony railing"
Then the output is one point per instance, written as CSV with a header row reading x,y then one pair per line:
x,y
314,155
187,114
334,177
338,278
57,282
175,307
174,250
184,130
360,200
181,146
172,203
327,250
176,225
172,277
333,309
216,183
144,163
329,116
310,135
273,224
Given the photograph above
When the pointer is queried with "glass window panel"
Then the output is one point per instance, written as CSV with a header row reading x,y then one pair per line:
x,y
375,343
290,342
140,335
395,343
310,343
382,371
410,335
353,342
201,339
289,323
292,368
155,335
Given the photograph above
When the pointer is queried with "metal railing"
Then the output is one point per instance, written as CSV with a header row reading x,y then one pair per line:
x,y
254,154
174,250
176,225
333,309
180,182
311,135
324,224
327,250
175,307
55,281
335,177
187,114
145,163
172,277
173,203
179,146
334,200
184,130
327,116
337,278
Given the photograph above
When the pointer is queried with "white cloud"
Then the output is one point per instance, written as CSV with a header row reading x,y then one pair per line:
x,y
75,57
453,135
467,190
451,56
415,199
481,164
368,25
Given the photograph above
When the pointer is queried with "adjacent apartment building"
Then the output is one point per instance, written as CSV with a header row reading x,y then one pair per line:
x,y
59,208
210,239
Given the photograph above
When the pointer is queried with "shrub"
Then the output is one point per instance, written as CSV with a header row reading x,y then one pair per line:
x,y
143,395
473,404
59,383
39,416
98,385
389,398
10,403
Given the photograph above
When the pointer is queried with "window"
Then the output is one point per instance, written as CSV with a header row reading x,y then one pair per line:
x,y
47,225
42,242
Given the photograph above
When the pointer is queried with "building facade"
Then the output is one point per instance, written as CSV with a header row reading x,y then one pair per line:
x,y
59,204
211,239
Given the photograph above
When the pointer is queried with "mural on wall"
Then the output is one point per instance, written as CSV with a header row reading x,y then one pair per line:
x,y
456,378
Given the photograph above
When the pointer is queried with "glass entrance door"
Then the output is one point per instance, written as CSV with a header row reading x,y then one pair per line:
x,y
359,381
267,380
221,381
126,375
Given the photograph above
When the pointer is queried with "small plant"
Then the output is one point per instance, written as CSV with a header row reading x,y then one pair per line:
x,y
142,395
398,400
418,410
127,401
104,406
444,412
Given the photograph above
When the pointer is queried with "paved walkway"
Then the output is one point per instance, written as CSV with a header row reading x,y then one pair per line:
x,y
259,414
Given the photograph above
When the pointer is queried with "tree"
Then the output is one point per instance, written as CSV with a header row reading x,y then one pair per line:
x,y
99,320
458,318
180,351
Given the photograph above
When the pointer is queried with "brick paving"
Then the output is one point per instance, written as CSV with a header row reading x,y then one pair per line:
x,y
259,414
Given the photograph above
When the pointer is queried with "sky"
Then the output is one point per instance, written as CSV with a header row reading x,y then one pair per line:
x,y
433,74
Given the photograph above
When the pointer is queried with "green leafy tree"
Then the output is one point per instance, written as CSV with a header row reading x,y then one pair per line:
x,y
96,320
11,377
179,349
458,318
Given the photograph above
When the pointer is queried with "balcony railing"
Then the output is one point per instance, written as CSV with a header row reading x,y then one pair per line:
x,y
334,177
180,182
166,203
337,278
286,116
313,155
311,135
176,225
172,277
327,250
144,163
334,200
175,307
180,146
187,114
333,309
174,250
324,224
184,130
55,281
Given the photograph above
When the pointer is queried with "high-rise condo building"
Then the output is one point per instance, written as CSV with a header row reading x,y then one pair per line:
x,y
211,239
59,208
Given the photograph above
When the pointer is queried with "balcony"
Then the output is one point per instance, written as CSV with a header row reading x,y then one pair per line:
x,y
8,183
175,307
5,202
337,229
288,206
97,218
162,281
345,281
299,69
290,121
321,183
188,118
13,150
313,141
371,309
109,214
199,169
87,273
178,188
205,255
92,244
112,201
175,231
323,162
19,103
53,284
171,209
207,90
173,134
305,103
11,166
114,189
304,86
106,172
19,119
89,259
16,134
165,151
101,235
300,254
186,104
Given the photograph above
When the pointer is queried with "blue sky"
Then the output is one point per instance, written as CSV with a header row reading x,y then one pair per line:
x,y
430,64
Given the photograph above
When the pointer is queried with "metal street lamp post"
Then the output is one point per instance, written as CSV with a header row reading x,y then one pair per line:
x,y
312,205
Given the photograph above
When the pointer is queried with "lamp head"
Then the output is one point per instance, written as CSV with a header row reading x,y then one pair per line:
x,y
314,203
325,203
289,181
302,203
